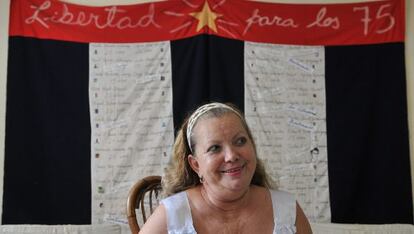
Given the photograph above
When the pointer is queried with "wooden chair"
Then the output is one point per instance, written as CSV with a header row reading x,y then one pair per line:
x,y
144,196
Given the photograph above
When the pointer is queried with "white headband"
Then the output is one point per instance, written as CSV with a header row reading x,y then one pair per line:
x,y
201,111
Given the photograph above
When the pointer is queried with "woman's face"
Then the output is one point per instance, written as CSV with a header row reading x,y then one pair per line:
x,y
224,153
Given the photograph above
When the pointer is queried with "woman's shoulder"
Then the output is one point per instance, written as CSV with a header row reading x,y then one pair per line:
x,y
157,222
175,202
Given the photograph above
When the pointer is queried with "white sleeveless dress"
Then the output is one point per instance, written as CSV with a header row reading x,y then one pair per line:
x,y
179,220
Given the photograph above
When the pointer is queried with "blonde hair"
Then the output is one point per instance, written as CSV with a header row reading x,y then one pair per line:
x,y
179,176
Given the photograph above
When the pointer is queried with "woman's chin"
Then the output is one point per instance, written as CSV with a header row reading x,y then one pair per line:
x,y
237,184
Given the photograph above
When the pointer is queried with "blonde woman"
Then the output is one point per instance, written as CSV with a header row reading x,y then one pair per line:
x,y
216,183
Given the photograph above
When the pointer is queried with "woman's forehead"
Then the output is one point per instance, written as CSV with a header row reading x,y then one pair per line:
x,y
228,122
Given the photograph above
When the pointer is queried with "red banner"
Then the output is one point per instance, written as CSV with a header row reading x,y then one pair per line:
x,y
304,24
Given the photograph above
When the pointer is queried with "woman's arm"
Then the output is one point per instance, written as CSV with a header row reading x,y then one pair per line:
x,y
302,223
157,222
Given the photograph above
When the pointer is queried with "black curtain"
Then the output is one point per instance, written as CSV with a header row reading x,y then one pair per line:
x,y
47,171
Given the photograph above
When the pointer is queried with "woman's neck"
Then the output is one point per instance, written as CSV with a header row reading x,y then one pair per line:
x,y
222,203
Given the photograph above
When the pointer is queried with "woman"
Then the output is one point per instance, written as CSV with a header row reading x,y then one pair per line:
x,y
216,183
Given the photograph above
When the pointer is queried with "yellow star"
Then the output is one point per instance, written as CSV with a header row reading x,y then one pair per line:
x,y
206,17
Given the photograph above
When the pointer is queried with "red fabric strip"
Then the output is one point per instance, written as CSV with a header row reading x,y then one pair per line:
x,y
304,24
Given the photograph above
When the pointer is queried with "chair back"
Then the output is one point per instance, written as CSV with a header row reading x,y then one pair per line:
x,y
144,196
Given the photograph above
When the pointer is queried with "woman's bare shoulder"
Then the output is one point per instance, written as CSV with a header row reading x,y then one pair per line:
x,y
157,222
302,222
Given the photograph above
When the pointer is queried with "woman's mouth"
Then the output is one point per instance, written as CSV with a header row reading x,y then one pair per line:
x,y
233,170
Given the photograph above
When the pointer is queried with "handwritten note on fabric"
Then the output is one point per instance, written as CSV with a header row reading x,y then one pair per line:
x,y
131,119
285,108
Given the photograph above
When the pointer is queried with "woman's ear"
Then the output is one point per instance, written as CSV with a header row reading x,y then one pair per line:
x,y
192,160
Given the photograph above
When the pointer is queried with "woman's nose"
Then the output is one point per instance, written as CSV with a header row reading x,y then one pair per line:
x,y
231,155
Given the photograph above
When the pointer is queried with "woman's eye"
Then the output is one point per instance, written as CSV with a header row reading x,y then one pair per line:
x,y
241,141
213,148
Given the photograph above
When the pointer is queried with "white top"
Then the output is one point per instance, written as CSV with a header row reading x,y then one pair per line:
x,y
179,220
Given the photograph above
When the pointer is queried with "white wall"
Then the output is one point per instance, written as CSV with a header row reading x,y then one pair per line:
x,y
4,22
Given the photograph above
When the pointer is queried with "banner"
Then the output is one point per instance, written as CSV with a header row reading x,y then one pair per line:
x,y
95,95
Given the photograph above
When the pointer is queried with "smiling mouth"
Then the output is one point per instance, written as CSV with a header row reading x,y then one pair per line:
x,y
234,170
